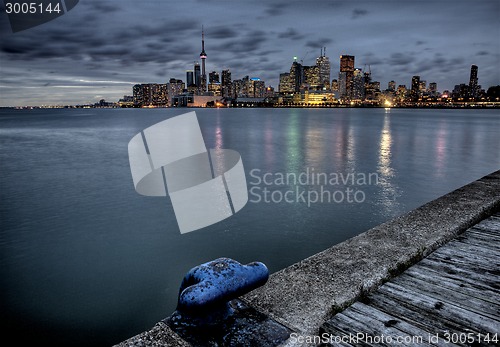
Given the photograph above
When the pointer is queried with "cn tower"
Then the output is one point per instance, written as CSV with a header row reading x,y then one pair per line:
x,y
203,56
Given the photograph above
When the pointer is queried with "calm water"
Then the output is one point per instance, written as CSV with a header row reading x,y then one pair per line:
x,y
86,259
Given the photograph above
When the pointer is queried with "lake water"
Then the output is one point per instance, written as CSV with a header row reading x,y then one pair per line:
x,y
85,259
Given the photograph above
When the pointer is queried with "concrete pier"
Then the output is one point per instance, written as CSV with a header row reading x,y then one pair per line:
x,y
305,295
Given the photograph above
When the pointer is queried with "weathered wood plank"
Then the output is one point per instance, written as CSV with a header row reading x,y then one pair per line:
x,y
453,283
466,261
378,328
480,280
417,317
481,234
447,296
486,232
383,320
449,312
468,247
491,224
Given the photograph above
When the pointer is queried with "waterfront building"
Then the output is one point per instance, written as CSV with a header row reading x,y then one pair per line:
x,y
391,86
240,87
197,75
335,85
285,86
312,78
415,87
422,89
214,88
213,77
296,75
461,92
358,85
346,76
323,64
226,83
189,78
175,87
401,93
433,89
256,88
473,86
150,95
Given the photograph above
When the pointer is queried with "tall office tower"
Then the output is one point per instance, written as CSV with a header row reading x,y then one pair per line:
x,y
138,94
189,78
175,87
423,87
311,77
473,88
256,88
433,89
285,85
323,64
401,93
335,85
226,83
203,57
415,87
296,76
214,85
197,75
213,77
347,67
358,85
391,86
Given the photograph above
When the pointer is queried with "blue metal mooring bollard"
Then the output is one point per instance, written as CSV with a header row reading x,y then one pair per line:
x,y
206,290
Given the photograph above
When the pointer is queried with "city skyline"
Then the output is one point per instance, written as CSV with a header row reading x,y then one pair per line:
x,y
103,55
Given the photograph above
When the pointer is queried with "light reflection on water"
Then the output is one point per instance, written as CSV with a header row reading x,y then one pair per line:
x,y
82,253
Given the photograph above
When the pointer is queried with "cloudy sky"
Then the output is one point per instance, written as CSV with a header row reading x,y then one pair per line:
x,y
101,48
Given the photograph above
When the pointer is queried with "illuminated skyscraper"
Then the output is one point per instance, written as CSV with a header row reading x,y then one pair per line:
x,y
311,77
226,83
285,85
203,57
189,78
415,87
296,76
358,85
323,64
197,75
391,86
213,77
346,75
473,88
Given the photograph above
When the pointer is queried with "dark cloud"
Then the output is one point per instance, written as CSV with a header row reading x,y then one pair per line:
x,y
221,32
358,12
401,58
419,42
276,9
291,34
482,53
318,43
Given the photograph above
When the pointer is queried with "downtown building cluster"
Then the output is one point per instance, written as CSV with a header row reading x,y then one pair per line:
x,y
302,85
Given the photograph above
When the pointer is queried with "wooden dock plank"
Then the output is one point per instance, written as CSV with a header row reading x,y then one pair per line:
x,y
481,280
431,276
445,295
455,290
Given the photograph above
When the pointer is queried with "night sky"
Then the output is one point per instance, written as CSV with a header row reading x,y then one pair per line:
x,y
100,49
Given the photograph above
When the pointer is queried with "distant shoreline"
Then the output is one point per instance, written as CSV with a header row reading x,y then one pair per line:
x,y
455,106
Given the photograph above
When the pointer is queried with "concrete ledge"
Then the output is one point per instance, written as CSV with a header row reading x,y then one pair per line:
x,y
159,335
304,295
